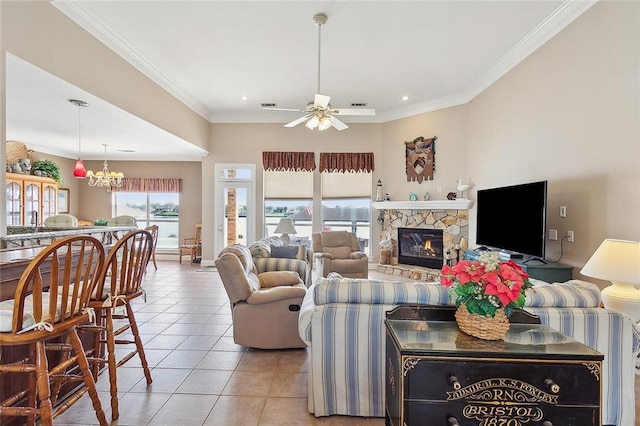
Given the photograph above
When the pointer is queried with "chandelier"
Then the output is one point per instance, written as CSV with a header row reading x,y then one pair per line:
x,y
105,178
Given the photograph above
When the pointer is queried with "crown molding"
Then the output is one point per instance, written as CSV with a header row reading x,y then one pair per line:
x,y
562,16
79,14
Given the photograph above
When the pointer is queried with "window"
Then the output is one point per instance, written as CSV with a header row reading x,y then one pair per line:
x,y
289,194
152,208
347,207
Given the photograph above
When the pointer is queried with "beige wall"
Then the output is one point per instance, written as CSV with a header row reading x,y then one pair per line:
x,y
40,34
244,143
450,126
91,203
569,114
96,202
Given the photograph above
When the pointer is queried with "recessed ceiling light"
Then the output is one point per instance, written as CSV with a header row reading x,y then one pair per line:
x,y
244,98
405,98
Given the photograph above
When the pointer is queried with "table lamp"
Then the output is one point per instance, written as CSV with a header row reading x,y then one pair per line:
x,y
618,261
285,227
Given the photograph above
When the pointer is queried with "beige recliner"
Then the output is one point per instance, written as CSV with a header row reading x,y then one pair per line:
x,y
264,306
339,251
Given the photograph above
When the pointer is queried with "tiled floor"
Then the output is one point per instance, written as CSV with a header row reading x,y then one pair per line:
x,y
200,377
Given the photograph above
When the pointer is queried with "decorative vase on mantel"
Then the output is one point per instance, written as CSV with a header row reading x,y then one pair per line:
x,y
487,328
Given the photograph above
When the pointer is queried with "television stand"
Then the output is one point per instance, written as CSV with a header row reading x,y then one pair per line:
x,y
536,259
542,270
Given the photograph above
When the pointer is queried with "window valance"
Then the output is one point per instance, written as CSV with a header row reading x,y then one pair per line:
x,y
150,185
289,161
347,162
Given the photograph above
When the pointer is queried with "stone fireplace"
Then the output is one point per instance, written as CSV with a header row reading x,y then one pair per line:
x,y
450,217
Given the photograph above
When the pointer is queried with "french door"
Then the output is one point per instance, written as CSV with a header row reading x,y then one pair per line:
x,y
234,206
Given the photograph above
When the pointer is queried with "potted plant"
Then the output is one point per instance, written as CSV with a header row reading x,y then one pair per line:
x,y
49,168
486,292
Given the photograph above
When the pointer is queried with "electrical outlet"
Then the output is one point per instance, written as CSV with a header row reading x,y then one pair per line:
x,y
439,189
563,211
553,234
570,236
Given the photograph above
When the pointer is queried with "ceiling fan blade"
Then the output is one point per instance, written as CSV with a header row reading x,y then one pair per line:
x,y
339,125
321,101
298,121
284,109
353,111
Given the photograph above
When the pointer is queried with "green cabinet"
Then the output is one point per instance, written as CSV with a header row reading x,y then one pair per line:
x,y
548,272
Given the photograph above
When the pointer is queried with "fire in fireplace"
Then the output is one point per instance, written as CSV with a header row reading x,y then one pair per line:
x,y
421,247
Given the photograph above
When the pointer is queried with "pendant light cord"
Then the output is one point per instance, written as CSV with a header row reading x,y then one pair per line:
x,y
79,133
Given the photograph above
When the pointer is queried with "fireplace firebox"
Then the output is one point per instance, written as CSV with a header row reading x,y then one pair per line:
x,y
421,247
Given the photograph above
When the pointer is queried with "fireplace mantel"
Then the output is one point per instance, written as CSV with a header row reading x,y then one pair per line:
x,y
461,204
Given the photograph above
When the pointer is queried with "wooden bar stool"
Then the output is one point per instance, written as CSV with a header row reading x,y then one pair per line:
x,y
69,267
119,284
153,230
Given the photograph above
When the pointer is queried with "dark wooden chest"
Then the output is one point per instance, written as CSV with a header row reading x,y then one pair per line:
x,y
437,375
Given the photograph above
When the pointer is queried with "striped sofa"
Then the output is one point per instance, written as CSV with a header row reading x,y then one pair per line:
x,y
342,322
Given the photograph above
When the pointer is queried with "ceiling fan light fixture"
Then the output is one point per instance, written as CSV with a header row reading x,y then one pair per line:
x,y
313,122
324,124
319,113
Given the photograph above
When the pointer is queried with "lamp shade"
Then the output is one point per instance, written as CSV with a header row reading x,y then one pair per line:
x,y
618,261
79,170
285,227
615,260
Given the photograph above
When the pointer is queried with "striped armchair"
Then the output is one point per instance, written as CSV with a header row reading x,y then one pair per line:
x,y
342,322
271,254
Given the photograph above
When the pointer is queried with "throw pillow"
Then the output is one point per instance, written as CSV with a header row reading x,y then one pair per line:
x,y
278,278
260,248
287,252
302,253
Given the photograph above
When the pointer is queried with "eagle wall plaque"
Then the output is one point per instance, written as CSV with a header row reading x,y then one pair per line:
x,y
420,157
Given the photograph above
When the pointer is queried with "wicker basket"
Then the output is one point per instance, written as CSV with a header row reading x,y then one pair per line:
x,y
16,151
487,328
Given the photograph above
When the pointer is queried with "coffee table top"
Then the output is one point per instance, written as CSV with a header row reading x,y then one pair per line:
x,y
444,338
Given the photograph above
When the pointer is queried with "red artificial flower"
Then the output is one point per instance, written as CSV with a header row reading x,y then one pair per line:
x,y
448,276
469,271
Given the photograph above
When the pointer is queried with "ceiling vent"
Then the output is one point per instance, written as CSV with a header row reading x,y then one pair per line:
x,y
268,105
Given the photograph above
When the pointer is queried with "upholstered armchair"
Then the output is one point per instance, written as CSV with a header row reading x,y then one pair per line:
x,y
339,251
61,221
264,306
123,220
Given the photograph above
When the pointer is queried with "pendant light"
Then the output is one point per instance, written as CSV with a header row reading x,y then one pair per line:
x,y
79,171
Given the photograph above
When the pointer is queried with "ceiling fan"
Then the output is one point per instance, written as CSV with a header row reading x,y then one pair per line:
x,y
320,113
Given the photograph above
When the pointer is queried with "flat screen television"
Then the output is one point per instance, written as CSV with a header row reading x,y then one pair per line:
x,y
513,218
